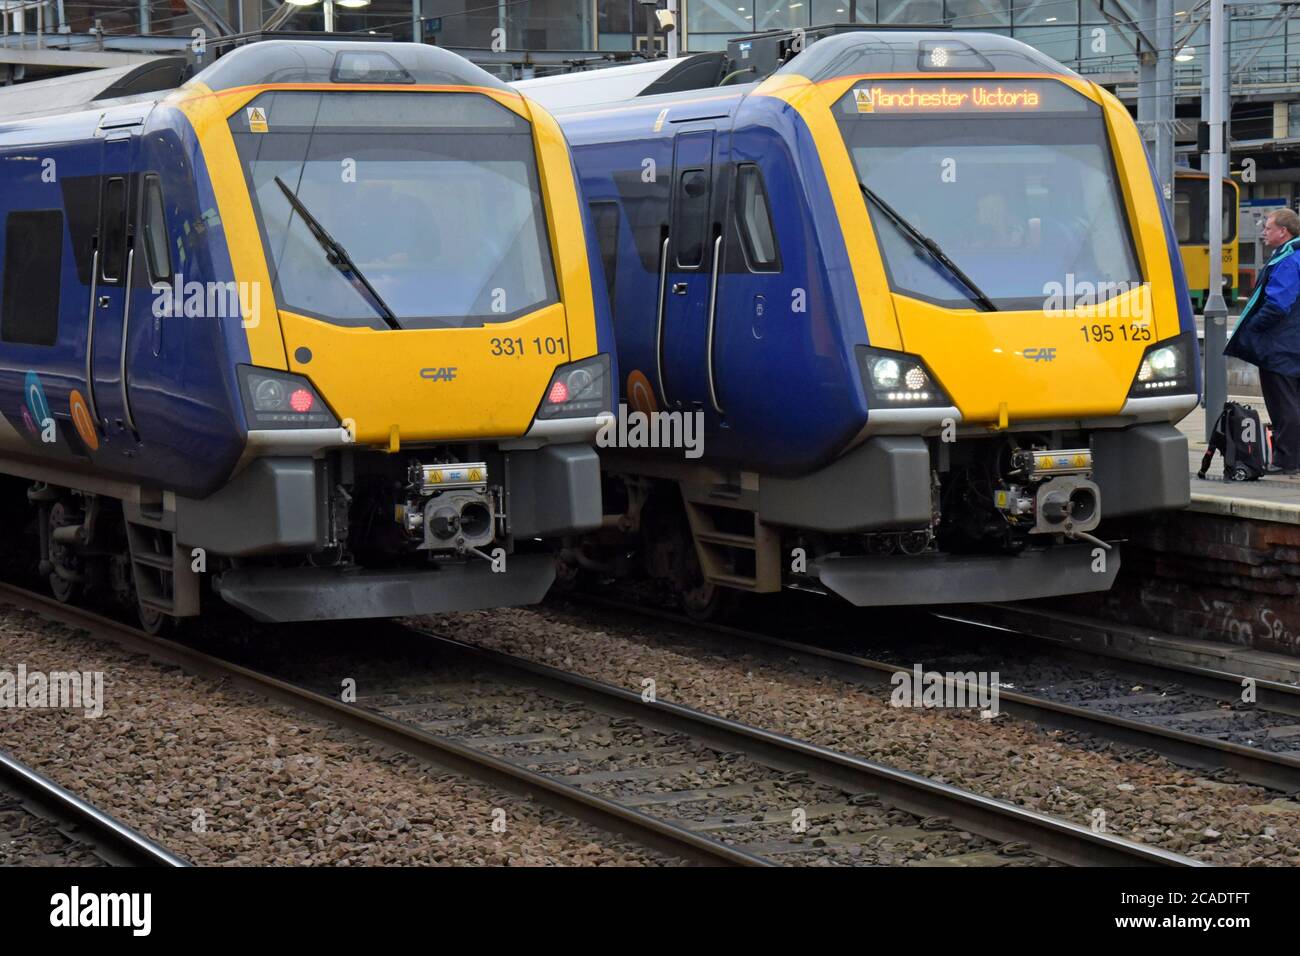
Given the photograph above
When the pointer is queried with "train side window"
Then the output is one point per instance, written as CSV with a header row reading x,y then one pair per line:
x,y
604,216
33,271
155,232
754,220
1229,214
112,245
1183,217
691,217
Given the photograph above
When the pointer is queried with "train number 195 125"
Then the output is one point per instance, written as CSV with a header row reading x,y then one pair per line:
x,y
1130,332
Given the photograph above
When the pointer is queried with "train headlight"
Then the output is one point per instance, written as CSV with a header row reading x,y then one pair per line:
x,y
1166,367
282,400
899,380
577,390
885,373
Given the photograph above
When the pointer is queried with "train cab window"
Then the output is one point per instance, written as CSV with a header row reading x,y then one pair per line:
x,y
113,230
604,216
448,223
155,232
691,217
33,264
754,219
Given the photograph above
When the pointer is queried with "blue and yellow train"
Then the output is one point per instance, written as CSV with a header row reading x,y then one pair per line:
x,y
317,327
921,292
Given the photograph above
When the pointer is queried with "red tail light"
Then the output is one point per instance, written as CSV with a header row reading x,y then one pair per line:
x,y
301,401
559,394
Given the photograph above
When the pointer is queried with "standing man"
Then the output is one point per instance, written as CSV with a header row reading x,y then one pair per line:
x,y
1268,335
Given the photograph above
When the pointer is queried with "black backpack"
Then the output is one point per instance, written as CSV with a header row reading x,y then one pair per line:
x,y
1243,460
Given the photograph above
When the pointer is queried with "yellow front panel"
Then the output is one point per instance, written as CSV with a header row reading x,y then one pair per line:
x,y
1196,263
430,384
1066,364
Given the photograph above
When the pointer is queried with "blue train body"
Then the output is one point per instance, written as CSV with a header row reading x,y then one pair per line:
x,y
179,371
790,390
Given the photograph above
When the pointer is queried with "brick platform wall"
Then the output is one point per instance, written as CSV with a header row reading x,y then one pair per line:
x,y
1205,576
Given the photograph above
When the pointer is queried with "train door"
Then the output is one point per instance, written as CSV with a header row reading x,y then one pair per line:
x,y
688,282
116,272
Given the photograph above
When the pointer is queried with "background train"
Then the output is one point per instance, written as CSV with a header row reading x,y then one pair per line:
x,y
1192,229
318,325
922,289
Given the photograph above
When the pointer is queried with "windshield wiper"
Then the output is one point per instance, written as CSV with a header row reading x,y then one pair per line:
x,y
930,246
338,256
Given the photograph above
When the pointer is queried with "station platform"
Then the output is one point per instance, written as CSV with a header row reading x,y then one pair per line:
x,y
1268,499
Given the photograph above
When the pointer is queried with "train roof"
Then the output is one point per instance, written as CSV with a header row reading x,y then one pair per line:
x,y
138,82
342,61
254,64
597,87
862,52
840,51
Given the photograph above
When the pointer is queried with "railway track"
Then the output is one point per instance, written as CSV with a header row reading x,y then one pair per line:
x,y
105,837
706,759
1206,696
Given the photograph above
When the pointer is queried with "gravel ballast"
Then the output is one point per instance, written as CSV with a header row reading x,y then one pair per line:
x,y
220,776
30,840
1139,796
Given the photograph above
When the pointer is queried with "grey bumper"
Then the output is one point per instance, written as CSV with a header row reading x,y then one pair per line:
x,y
882,484
553,491
328,594
963,579
277,505
1140,469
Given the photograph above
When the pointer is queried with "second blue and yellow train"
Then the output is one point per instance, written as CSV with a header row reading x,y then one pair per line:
x,y
920,291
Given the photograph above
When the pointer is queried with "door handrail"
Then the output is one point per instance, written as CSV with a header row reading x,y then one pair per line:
x,y
659,333
126,328
90,341
713,313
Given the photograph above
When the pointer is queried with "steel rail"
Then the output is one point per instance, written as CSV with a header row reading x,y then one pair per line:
x,y
591,808
1270,694
1277,771
123,845
1057,839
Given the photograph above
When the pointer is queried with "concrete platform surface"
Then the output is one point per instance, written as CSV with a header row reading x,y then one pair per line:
x,y
1268,499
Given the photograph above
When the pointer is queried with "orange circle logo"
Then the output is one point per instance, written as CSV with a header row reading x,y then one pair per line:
x,y
640,394
82,421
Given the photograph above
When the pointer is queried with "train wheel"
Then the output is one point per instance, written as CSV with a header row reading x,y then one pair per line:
x,y
568,573
64,591
155,622
701,600
710,602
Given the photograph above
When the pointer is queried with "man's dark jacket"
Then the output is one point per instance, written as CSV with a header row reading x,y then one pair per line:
x,y
1268,332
